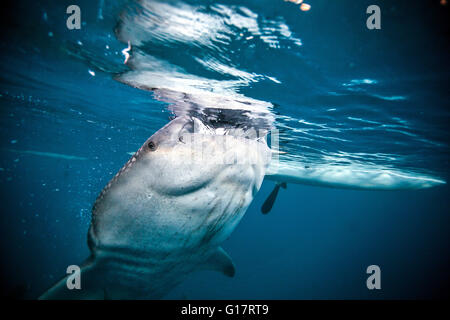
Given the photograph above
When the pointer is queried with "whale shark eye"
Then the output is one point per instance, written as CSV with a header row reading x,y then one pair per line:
x,y
152,146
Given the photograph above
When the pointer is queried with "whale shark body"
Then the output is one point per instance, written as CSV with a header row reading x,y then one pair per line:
x,y
167,211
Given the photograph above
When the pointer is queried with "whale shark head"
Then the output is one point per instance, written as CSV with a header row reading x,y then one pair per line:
x,y
187,178
186,153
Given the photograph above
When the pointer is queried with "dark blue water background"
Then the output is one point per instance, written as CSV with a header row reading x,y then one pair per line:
x,y
64,133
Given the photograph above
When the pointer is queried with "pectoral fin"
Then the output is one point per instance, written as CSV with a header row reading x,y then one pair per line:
x,y
268,204
220,261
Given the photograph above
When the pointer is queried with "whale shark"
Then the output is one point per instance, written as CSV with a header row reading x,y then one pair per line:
x,y
166,213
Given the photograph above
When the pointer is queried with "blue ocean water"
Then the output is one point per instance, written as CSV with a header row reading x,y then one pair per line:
x,y
342,96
